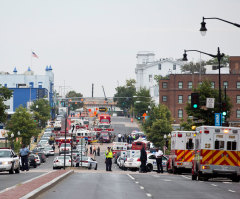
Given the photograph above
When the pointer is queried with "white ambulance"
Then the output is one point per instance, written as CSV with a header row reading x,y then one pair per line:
x,y
182,151
217,153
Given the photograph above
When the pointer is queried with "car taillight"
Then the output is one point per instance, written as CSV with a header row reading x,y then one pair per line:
x,y
57,161
69,160
138,159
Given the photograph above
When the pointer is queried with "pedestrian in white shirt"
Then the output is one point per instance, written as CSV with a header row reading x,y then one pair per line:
x,y
119,137
159,155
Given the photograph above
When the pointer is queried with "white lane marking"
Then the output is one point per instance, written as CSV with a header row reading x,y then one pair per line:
x,y
131,177
214,185
186,177
227,182
136,182
166,180
231,191
141,187
149,195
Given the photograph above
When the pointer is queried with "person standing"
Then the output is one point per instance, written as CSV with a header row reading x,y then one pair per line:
x,y
159,155
119,137
94,150
143,159
24,152
128,139
77,160
98,151
109,157
90,149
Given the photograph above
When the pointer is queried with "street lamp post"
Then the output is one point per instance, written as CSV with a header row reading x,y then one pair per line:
x,y
219,56
203,28
12,144
6,137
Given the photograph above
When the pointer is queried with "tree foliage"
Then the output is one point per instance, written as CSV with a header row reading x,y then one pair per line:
x,y
75,105
157,124
206,115
142,101
124,94
5,94
214,61
192,67
41,111
23,122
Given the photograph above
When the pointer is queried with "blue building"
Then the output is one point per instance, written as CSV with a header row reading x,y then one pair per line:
x,y
28,87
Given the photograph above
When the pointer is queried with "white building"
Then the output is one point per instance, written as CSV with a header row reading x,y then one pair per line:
x,y
147,68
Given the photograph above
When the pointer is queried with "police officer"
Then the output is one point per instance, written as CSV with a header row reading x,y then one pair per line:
x,y
24,152
159,155
109,156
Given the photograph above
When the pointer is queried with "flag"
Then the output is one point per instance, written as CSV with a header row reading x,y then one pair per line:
x,y
34,55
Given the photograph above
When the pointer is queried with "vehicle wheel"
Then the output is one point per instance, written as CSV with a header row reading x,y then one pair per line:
x,y
149,167
175,170
90,167
199,177
194,177
96,167
11,171
54,168
236,179
35,166
17,170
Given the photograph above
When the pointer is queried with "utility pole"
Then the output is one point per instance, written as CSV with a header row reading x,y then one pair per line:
x,y
92,89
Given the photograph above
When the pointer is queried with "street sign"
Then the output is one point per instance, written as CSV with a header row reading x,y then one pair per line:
x,y
218,119
102,109
210,102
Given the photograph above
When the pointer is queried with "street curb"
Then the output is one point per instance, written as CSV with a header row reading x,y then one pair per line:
x,y
47,186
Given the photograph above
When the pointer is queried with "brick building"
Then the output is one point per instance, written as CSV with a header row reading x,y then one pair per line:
x,y
176,91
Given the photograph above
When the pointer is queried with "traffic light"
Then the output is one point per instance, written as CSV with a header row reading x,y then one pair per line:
x,y
195,100
224,108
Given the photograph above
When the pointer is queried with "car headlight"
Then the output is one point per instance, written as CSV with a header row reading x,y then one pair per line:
x,y
6,162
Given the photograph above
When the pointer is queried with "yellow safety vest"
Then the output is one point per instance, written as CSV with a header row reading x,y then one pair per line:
x,y
109,154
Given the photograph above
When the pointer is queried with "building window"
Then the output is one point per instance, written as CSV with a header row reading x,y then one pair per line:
x,y
212,84
180,99
159,66
164,98
225,84
174,66
238,99
189,84
180,84
238,113
238,84
164,85
150,78
189,98
180,113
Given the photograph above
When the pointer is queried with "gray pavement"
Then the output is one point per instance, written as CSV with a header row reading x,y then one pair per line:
x,y
95,186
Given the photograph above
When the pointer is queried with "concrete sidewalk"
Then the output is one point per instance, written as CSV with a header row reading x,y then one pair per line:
x,y
32,188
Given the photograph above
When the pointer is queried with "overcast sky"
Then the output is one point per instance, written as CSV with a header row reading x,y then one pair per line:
x,y
96,41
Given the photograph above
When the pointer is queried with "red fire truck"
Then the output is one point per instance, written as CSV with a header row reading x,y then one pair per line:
x,y
105,118
217,153
182,151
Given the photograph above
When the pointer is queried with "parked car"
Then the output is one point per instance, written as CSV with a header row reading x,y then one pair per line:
x,y
152,164
62,148
58,162
9,161
88,162
32,158
121,159
49,150
133,160
42,156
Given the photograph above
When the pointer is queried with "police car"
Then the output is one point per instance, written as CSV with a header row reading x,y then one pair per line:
x,y
152,163
9,161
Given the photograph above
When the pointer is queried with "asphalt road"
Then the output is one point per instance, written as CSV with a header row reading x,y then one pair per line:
x,y
102,185
95,186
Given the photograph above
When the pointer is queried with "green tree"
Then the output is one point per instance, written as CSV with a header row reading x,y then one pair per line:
x,y
5,94
124,94
206,115
192,67
157,124
23,122
76,103
214,61
142,101
187,125
41,111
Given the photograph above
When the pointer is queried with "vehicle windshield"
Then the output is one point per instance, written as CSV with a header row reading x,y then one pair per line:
x,y
85,122
67,145
104,126
62,157
5,154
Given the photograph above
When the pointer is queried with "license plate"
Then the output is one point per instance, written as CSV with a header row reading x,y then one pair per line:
x,y
130,163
